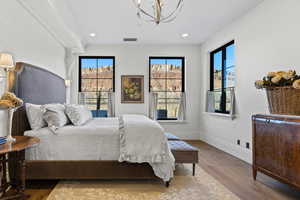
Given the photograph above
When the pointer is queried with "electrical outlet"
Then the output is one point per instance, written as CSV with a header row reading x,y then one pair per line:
x,y
247,145
238,142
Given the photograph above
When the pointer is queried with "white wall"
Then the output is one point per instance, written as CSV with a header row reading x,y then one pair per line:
x,y
267,39
22,36
133,60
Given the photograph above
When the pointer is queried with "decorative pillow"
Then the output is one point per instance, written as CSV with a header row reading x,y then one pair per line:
x,y
55,116
78,114
35,116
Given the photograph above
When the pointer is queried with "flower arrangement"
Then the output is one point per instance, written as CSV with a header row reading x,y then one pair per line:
x,y
9,100
279,79
132,89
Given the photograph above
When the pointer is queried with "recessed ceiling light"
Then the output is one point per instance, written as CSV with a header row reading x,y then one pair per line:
x,y
92,34
184,35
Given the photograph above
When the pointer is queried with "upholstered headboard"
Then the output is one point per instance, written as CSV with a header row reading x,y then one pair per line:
x,y
34,85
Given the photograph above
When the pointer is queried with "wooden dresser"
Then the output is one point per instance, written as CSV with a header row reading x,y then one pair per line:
x,y
276,147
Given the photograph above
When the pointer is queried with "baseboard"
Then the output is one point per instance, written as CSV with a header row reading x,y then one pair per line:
x,y
236,151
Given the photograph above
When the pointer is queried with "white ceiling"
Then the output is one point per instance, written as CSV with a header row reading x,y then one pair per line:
x,y
112,20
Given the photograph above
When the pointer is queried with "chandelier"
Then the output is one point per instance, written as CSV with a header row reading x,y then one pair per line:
x,y
158,11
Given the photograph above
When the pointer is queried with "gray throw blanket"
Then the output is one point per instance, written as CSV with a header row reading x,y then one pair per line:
x,y
143,140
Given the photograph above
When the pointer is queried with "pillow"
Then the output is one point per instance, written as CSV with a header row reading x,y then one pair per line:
x,y
78,114
55,116
35,116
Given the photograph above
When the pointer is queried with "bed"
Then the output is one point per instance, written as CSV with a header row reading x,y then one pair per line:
x,y
39,86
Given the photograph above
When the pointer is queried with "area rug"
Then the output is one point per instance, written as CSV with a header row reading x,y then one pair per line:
x,y
183,187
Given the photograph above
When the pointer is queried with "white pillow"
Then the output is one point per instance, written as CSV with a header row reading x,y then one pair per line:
x,y
78,114
35,116
55,116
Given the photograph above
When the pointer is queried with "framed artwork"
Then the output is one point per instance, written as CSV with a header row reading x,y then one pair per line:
x,y
132,89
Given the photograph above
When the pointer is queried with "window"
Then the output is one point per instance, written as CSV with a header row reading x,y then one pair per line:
x,y
222,77
96,79
167,80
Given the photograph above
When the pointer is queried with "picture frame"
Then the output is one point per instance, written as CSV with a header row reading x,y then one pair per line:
x,y
132,89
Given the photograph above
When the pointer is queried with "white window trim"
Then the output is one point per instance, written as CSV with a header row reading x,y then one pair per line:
x,y
230,116
232,111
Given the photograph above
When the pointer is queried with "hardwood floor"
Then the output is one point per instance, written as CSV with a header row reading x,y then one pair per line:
x,y
236,175
233,173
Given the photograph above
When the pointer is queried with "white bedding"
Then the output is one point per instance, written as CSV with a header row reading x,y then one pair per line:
x,y
138,138
98,139
143,140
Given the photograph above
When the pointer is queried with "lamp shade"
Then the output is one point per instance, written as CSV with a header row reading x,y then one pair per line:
x,y
6,60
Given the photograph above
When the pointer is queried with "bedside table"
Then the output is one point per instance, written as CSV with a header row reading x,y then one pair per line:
x,y
17,148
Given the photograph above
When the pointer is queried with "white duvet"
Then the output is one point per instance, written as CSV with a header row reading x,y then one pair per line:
x,y
143,140
101,139
96,140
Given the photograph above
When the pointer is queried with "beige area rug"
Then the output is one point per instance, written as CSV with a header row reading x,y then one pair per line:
x,y
183,187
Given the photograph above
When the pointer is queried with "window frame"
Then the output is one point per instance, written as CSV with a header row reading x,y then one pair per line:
x,y
80,58
97,57
182,58
223,88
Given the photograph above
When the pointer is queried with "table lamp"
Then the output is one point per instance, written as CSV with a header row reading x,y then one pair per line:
x,y
7,62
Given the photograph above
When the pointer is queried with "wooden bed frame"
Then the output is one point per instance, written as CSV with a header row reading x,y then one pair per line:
x,y
22,80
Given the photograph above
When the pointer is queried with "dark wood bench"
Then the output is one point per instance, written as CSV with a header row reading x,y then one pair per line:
x,y
184,152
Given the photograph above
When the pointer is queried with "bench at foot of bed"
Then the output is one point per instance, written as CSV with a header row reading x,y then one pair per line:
x,y
184,152
170,136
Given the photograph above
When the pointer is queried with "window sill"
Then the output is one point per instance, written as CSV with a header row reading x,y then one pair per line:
x,y
221,115
171,121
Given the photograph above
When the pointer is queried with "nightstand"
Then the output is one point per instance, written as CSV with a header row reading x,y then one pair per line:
x,y
14,189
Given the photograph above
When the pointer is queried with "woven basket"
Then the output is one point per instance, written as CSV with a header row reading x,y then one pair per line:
x,y
283,100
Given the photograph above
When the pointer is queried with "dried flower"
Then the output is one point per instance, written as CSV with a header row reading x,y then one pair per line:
x,y
17,102
259,84
276,79
271,74
8,96
11,100
292,72
289,75
280,73
296,84
6,104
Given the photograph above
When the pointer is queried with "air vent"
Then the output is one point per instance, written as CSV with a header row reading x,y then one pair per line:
x,y
130,39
